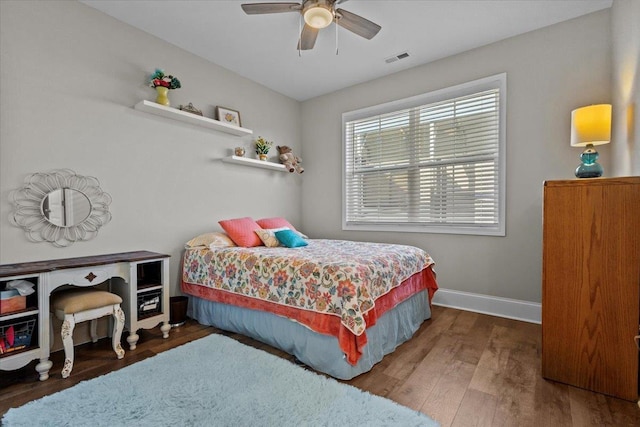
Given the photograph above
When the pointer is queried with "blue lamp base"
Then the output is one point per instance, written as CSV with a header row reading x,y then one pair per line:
x,y
589,168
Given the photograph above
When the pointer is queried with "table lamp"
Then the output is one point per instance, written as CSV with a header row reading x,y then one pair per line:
x,y
590,126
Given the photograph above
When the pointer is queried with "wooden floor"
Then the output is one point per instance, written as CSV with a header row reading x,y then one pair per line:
x,y
461,368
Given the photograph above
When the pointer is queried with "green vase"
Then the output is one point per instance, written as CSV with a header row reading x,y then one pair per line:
x,y
162,97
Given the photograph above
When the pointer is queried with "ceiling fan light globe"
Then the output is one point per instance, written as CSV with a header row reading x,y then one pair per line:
x,y
318,17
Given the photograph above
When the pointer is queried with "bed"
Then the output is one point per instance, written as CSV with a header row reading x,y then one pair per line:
x,y
338,306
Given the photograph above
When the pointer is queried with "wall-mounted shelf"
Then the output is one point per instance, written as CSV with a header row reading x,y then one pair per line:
x,y
244,161
194,119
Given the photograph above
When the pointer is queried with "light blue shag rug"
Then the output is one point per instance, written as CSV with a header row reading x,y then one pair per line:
x,y
214,381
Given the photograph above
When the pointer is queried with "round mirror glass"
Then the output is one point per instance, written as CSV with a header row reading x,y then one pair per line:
x,y
66,207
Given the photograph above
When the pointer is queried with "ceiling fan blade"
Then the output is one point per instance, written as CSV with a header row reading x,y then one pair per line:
x,y
307,38
260,8
357,24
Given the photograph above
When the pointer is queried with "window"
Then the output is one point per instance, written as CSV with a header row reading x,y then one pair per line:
x,y
430,163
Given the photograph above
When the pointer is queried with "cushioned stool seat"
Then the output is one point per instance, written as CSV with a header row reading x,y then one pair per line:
x,y
78,305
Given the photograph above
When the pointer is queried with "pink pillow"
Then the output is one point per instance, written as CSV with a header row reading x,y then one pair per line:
x,y
276,222
242,231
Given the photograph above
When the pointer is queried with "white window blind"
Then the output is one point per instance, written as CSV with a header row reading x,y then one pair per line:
x,y
434,164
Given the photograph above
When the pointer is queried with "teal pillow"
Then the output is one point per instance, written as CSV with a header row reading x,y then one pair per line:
x,y
290,238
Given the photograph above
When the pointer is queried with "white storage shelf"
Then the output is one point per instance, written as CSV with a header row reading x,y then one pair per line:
x,y
84,272
194,119
244,161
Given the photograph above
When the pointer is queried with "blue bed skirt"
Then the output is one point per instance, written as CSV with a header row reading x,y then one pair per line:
x,y
318,351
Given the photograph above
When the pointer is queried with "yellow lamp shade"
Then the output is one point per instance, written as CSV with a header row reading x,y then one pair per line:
x,y
318,16
591,125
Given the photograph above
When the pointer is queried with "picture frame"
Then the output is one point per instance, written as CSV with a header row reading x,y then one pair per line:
x,y
227,115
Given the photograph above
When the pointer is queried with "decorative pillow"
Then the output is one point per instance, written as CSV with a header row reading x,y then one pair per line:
x,y
290,238
241,231
277,222
268,237
207,240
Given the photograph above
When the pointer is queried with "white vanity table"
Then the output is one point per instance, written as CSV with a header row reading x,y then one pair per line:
x,y
144,288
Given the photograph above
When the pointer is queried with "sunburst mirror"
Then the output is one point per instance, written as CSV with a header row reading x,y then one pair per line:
x,y
60,207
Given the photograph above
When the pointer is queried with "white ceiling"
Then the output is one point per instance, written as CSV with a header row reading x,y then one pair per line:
x,y
263,47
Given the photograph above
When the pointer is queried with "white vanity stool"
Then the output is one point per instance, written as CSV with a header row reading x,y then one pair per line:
x,y
75,306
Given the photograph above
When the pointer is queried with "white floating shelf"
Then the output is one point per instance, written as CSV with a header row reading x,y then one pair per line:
x,y
194,119
245,161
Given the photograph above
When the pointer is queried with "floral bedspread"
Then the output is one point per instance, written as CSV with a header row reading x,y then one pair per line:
x,y
337,277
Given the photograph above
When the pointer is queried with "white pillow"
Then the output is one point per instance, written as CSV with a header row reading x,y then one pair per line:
x,y
208,240
268,236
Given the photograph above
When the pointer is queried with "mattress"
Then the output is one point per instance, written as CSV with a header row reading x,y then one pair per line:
x,y
335,277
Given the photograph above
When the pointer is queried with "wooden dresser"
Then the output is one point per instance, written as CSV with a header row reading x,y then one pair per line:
x,y
591,284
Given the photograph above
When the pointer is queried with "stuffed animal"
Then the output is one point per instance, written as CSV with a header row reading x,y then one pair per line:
x,y
290,160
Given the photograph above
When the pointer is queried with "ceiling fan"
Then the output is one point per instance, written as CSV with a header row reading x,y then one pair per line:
x,y
317,14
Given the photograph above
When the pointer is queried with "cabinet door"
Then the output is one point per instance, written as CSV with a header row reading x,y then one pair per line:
x,y
591,275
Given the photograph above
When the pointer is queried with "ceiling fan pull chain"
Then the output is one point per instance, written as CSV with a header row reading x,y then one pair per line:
x,y
300,36
336,25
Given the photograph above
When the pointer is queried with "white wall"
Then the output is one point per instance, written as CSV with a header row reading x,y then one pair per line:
x,y
549,73
625,139
69,77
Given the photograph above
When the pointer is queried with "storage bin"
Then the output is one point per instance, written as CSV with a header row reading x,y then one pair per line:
x,y
149,303
16,335
11,301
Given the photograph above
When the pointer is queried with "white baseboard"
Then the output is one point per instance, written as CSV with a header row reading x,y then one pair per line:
x,y
496,306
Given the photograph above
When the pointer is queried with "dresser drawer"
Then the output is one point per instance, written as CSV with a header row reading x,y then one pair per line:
x,y
89,276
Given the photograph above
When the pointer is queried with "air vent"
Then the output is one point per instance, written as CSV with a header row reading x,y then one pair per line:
x,y
397,57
